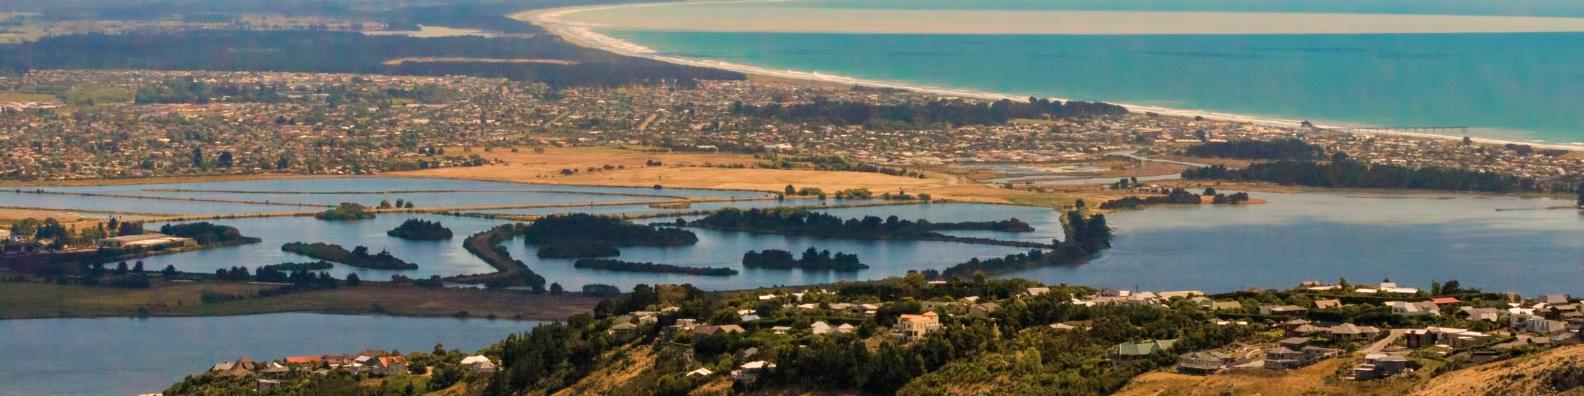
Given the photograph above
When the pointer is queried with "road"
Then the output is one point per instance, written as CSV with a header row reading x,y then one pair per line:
x,y
1384,342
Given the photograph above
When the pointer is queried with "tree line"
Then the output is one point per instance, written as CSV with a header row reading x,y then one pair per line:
x,y
1084,237
628,266
953,112
1353,174
582,228
420,229
357,257
799,221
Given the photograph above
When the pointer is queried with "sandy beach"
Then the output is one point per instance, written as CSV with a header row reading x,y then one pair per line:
x,y
558,22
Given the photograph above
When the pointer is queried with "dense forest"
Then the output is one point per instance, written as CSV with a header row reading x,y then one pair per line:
x,y
1353,174
207,234
1280,149
954,112
346,211
580,228
358,257
577,250
345,52
628,266
799,221
812,259
420,229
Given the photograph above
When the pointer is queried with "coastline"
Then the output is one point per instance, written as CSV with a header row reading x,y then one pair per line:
x,y
583,34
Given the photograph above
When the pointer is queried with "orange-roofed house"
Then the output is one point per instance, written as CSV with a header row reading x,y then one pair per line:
x,y
307,360
913,327
391,365
1446,301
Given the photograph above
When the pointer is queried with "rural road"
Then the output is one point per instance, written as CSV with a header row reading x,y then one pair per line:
x,y
1379,345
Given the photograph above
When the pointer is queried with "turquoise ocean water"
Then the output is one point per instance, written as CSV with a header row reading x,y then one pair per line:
x,y
1513,86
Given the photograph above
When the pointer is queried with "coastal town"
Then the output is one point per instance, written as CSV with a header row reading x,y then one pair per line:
x,y
1375,335
139,124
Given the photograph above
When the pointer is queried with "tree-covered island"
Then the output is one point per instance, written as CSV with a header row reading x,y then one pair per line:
x,y
812,259
628,266
419,229
346,211
357,257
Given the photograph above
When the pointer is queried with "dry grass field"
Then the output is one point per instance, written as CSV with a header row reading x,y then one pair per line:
x,y
678,171
1535,375
1305,381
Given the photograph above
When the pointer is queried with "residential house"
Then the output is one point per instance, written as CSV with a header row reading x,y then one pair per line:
x,y
1328,304
1035,291
1554,299
781,329
1294,353
1226,306
1292,324
1379,365
1182,293
913,327
1485,314
1063,326
1351,332
751,371
390,365
983,311
721,329
479,363
1282,310
1203,363
1405,308
701,372
820,328
623,330
265,384
1131,351
1444,301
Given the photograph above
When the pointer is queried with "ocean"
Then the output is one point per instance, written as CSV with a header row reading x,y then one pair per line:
x,y
1507,86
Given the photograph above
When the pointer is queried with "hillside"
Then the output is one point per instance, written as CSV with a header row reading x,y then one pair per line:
x,y
1555,372
1310,380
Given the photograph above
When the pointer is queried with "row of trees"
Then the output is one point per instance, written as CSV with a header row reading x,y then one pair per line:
x,y
582,228
628,266
812,259
799,221
1353,174
953,112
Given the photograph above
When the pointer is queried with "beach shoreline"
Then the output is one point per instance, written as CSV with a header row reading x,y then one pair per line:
x,y
583,34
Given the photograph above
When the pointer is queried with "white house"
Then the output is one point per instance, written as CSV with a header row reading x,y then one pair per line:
x,y
480,363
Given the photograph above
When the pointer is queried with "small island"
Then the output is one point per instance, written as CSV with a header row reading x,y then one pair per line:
x,y
358,257
289,267
581,228
208,235
800,221
1177,196
578,250
422,230
627,266
812,260
347,211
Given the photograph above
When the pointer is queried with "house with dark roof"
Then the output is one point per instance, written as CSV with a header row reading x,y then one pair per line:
x,y
1294,353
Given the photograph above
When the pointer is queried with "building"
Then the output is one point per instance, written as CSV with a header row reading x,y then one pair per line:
x,y
913,327
1328,304
983,311
1294,353
751,371
1377,365
479,363
1405,308
1202,363
389,365
1351,332
145,241
1131,351
722,329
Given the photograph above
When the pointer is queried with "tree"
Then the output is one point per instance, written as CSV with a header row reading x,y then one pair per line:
x,y
401,203
121,269
1467,141
790,190
198,157
1210,191
225,159
384,204
1079,204
409,205
555,289
169,271
282,163
1581,196
353,280
138,267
